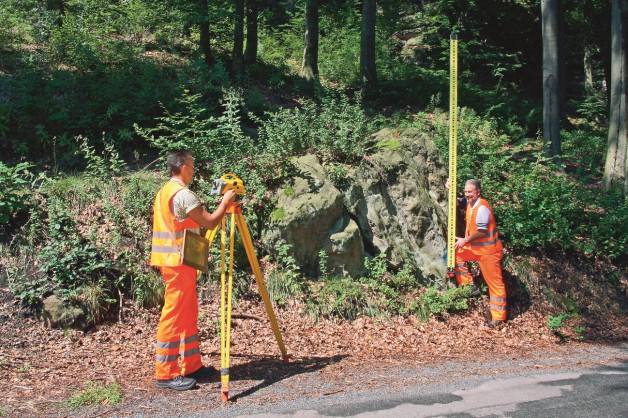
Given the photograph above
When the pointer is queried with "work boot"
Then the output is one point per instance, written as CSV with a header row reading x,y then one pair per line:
x,y
203,373
495,323
178,383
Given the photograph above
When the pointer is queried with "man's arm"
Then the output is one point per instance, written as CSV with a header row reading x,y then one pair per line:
x,y
207,220
479,234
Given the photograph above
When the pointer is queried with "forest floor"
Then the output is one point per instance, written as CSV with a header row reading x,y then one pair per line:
x,y
41,369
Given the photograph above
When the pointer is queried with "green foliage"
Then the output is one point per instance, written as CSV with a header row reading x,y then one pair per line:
x,y
96,394
148,289
323,268
100,164
437,302
375,267
285,281
69,260
336,126
13,184
209,138
341,298
26,281
555,323
339,56
579,332
14,22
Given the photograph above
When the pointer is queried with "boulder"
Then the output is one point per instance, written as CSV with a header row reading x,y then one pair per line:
x,y
58,314
393,203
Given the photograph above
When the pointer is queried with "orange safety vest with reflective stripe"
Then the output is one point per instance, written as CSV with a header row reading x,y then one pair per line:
x,y
490,244
167,239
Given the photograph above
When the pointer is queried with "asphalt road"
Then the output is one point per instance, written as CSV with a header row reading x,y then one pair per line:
x,y
565,389
575,380
599,393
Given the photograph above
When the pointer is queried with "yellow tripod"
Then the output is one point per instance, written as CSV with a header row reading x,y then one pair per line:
x,y
236,218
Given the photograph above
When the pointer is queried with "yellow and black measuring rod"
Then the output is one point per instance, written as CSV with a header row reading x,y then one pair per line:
x,y
234,212
453,154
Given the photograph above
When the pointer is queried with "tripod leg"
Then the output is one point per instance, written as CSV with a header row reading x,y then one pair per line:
x,y
250,252
224,367
211,234
227,346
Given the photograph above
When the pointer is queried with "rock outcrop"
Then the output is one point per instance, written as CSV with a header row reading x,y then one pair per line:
x,y
392,203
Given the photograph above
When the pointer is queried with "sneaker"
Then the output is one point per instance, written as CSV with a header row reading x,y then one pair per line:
x,y
203,373
178,383
495,323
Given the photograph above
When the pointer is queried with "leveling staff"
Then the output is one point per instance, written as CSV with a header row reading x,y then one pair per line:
x,y
178,360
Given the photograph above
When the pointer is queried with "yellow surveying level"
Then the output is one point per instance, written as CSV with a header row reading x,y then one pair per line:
x,y
453,154
227,182
226,293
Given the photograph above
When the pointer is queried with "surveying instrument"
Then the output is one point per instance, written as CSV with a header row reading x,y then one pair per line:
x,y
221,186
453,155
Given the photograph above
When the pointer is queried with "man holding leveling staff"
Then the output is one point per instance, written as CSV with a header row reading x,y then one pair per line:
x,y
481,243
179,211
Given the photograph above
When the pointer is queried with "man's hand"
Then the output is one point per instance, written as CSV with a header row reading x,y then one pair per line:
x,y
228,197
460,242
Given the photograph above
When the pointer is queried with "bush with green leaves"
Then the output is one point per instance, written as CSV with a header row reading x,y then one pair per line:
x,y
285,280
555,323
341,298
336,125
438,302
14,182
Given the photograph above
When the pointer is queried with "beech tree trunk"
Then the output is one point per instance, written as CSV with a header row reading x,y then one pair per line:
x,y
616,167
250,55
204,31
309,68
551,76
237,65
368,70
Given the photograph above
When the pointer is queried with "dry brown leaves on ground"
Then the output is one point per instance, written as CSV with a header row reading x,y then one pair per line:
x,y
41,368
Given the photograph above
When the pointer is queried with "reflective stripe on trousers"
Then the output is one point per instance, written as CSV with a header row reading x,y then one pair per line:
x,y
490,265
177,348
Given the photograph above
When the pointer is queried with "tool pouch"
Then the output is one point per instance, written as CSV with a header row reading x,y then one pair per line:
x,y
195,251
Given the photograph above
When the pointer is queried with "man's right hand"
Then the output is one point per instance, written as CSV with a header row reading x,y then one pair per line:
x,y
228,197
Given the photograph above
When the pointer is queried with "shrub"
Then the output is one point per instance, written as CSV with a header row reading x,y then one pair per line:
x,y
341,298
285,280
13,184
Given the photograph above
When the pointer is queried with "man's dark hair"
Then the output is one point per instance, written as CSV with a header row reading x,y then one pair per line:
x,y
474,183
176,160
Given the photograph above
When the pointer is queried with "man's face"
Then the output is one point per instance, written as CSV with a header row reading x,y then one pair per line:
x,y
471,193
187,171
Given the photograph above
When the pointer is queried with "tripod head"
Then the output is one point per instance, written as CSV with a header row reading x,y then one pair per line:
x,y
227,182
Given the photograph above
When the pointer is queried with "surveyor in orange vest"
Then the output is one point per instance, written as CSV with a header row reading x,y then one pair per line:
x,y
481,243
178,360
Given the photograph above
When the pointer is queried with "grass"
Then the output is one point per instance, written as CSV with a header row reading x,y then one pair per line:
x,y
96,394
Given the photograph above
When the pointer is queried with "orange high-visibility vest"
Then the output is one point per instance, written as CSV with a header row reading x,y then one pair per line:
x,y
167,239
490,244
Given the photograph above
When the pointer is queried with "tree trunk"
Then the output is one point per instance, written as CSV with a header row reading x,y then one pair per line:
x,y
204,31
309,68
616,167
551,77
57,6
250,55
237,65
587,63
368,70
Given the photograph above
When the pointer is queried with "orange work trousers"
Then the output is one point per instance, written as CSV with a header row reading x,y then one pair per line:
x,y
177,336
491,267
